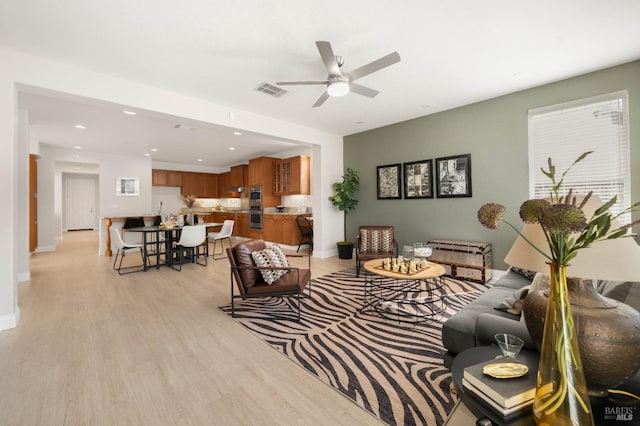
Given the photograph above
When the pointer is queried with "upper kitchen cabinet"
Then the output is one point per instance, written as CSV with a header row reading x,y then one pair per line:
x,y
211,186
261,175
237,175
166,177
291,176
202,185
188,184
224,183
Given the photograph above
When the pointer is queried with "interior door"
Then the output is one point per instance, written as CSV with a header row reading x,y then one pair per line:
x,y
80,202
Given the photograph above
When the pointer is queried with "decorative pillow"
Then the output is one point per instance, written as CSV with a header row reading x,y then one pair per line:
x,y
524,272
271,257
513,303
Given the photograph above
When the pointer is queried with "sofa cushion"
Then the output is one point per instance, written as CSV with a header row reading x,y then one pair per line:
x,y
524,272
513,303
244,258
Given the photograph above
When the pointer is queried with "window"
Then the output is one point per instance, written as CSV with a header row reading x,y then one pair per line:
x,y
563,132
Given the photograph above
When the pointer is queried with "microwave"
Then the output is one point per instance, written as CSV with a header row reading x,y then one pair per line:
x,y
255,195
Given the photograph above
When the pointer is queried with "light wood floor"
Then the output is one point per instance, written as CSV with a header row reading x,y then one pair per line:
x,y
149,348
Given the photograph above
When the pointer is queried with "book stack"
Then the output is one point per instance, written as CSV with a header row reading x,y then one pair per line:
x,y
506,396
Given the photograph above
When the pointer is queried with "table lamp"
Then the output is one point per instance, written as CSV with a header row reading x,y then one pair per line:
x,y
609,331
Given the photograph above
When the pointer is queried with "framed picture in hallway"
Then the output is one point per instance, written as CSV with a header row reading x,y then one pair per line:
x,y
418,179
453,176
127,186
389,182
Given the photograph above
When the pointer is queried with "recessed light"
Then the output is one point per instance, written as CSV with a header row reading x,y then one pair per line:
x,y
129,112
79,126
77,147
237,133
154,149
146,154
231,148
199,160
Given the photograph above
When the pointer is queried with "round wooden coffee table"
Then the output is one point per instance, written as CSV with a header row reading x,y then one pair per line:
x,y
404,297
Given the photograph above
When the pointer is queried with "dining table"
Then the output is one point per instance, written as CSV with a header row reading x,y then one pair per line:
x,y
162,244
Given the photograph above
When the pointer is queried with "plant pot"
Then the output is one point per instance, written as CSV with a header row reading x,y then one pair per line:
x,y
345,249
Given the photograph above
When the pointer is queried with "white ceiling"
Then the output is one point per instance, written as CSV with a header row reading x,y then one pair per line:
x,y
452,53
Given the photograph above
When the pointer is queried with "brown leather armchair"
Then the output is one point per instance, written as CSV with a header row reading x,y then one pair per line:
x,y
375,242
250,282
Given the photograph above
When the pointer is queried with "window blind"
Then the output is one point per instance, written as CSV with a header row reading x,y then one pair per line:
x,y
565,131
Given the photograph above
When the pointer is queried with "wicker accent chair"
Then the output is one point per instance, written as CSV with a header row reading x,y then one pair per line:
x,y
250,281
375,242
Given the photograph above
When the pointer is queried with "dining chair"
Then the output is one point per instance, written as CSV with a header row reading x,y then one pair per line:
x,y
192,240
306,232
132,222
122,248
224,234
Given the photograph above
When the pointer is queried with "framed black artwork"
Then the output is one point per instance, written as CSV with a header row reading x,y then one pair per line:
x,y
418,179
389,182
453,176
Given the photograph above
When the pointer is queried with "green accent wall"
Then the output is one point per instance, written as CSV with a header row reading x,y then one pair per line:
x,y
494,132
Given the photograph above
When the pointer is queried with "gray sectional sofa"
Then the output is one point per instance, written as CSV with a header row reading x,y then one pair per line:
x,y
478,322
470,326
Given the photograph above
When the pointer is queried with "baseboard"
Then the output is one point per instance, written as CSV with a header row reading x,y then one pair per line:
x,y
10,321
24,276
43,249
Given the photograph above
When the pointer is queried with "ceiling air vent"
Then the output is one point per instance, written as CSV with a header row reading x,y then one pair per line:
x,y
271,90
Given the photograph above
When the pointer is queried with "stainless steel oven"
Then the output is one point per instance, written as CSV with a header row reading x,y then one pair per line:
x,y
255,217
255,196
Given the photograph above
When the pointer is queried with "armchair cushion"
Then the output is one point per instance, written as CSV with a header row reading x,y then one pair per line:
x,y
244,258
376,240
271,257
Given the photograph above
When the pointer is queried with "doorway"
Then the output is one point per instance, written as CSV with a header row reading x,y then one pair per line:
x,y
80,201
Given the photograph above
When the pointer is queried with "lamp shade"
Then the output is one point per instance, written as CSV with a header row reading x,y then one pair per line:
x,y
615,260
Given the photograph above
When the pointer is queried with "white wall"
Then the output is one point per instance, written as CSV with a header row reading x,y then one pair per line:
x,y
50,194
25,72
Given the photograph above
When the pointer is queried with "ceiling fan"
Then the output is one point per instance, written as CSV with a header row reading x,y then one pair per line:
x,y
340,83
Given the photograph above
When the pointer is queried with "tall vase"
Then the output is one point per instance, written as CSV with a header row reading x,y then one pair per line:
x,y
189,217
561,390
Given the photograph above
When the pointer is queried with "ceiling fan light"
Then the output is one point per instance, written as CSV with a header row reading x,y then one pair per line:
x,y
338,88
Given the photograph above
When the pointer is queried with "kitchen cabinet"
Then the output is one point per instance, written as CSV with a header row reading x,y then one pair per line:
x,y
166,177
188,184
241,226
281,229
291,176
224,180
237,175
261,174
202,185
211,186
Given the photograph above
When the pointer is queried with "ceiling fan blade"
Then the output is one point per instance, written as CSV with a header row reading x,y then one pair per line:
x,y
292,83
362,90
321,99
328,57
374,66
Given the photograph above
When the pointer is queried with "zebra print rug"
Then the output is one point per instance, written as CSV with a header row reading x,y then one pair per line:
x,y
394,370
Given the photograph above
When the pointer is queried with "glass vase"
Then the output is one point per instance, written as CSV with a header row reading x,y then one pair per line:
x,y
561,390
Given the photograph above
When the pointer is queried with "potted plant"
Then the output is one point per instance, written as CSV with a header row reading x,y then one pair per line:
x,y
344,199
